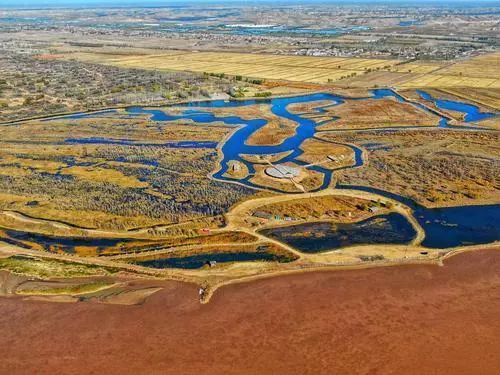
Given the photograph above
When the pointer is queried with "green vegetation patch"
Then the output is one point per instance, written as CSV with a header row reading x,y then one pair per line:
x,y
45,268
67,290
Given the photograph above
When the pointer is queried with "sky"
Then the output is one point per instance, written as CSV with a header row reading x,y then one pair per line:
x,y
151,3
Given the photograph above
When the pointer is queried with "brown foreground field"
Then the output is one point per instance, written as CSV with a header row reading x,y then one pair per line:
x,y
393,320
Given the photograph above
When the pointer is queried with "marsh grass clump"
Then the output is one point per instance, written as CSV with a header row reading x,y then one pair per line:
x,y
48,268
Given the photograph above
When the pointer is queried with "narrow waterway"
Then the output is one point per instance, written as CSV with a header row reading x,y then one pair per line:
x,y
470,112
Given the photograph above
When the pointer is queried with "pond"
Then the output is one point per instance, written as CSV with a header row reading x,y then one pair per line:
x,y
198,261
316,237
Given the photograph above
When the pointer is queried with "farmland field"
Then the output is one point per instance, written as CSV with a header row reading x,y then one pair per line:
x,y
481,71
272,67
477,72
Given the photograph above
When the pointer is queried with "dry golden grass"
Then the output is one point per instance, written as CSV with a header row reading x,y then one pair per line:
x,y
312,180
373,113
104,175
434,167
340,209
380,78
51,210
8,157
483,66
275,132
209,239
47,268
418,67
61,288
250,248
265,159
318,152
109,186
236,169
308,107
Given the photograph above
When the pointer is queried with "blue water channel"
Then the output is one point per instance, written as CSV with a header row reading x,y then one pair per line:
x,y
236,144
127,142
444,227
470,112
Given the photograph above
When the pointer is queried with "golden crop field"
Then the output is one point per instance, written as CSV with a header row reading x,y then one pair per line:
x,y
272,67
480,72
417,67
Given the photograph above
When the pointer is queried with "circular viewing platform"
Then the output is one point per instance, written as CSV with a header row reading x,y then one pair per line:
x,y
282,171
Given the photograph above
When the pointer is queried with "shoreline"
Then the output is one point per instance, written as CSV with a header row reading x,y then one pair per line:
x,y
248,272
351,267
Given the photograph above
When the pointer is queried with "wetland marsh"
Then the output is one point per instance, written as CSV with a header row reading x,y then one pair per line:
x,y
320,154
